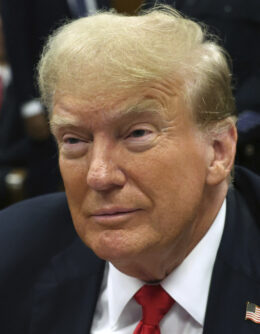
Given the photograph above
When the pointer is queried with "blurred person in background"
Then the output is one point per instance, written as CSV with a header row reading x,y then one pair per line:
x,y
26,141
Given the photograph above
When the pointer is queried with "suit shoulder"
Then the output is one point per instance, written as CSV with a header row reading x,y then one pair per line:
x,y
33,231
45,204
240,245
248,185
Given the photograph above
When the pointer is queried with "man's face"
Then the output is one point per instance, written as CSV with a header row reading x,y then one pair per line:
x,y
135,173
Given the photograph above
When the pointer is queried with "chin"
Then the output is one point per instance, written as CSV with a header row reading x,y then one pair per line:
x,y
113,246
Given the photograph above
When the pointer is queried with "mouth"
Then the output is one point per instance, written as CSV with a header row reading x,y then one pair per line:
x,y
113,214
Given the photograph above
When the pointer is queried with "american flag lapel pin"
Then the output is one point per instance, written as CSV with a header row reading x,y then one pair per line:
x,y
253,312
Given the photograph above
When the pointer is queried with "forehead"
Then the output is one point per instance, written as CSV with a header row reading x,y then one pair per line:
x,y
68,105
159,99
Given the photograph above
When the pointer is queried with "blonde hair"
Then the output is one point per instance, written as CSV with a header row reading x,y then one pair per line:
x,y
109,52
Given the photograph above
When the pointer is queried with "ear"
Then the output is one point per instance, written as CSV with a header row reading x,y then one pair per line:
x,y
223,146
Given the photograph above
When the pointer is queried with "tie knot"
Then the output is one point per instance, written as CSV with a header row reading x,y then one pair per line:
x,y
155,303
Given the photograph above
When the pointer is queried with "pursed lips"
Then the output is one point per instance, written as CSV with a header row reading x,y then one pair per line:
x,y
115,211
111,217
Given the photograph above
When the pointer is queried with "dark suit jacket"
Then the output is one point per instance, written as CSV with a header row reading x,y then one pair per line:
x,y
50,281
15,148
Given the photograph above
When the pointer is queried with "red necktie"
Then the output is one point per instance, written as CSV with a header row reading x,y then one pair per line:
x,y
155,303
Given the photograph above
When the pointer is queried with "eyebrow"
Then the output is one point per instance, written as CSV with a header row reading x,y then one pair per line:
x,y
58,121
149,106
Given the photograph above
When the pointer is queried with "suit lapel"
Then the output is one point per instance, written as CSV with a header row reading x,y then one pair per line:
x,y
66,294
236,276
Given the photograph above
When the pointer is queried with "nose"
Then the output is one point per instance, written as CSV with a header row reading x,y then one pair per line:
x,y
104,172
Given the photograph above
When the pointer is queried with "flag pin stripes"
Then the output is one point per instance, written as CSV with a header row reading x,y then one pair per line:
x,y
253,312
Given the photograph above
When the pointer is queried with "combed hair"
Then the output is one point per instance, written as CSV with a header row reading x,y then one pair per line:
x,y
109,52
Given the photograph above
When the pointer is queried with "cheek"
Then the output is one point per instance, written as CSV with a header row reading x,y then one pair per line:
x,y
175,182
169,173
73,174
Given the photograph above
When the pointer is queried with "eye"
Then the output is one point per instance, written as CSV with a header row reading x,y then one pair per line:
x,y
139,133
141,137
72,147
71,140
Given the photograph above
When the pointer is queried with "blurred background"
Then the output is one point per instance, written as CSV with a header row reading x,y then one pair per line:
x,y
28,154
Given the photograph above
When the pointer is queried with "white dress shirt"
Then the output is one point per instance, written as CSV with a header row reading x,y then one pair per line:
x,y
117,311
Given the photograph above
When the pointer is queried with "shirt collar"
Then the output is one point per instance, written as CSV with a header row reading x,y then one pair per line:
x,y
121,289
188,284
